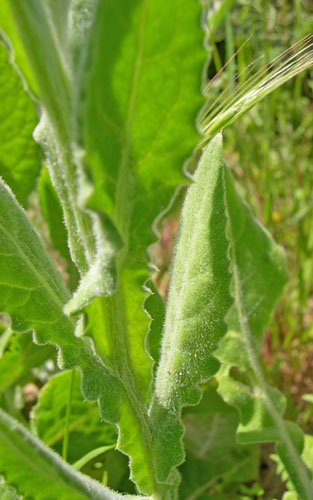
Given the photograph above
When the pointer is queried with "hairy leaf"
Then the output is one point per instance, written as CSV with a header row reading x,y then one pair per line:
x,y
93,240
52,211
19,155
37,471
32,292
198,300
153,62
60,12
258,276
138,130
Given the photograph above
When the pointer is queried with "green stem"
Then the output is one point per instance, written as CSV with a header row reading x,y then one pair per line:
x,y
68,416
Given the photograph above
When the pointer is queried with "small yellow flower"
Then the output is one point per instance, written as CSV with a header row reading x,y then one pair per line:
x,y
276,216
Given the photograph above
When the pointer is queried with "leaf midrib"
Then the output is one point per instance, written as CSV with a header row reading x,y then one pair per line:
x,y
123,194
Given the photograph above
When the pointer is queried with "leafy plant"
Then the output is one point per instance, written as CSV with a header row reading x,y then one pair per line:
x,y
117,87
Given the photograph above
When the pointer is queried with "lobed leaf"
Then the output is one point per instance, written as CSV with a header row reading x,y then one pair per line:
x,y
198,300
33,294
128,165
137,132
258,276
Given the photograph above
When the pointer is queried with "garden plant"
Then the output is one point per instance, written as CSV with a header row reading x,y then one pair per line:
x,y
107,119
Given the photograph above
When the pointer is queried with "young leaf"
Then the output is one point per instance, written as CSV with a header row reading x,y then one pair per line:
x,y
198,300
258,276
19,155
39,472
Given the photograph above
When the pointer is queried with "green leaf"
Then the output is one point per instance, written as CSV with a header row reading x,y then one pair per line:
x,y
9,34
82,15
211,451
258,276
32,292
198,300
49,69
93,240
19,358
87,431
52,211
135,167
19,155
155,308
32,467
137,132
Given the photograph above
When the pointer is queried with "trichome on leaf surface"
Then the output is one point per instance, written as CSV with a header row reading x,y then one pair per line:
x,y
117,87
